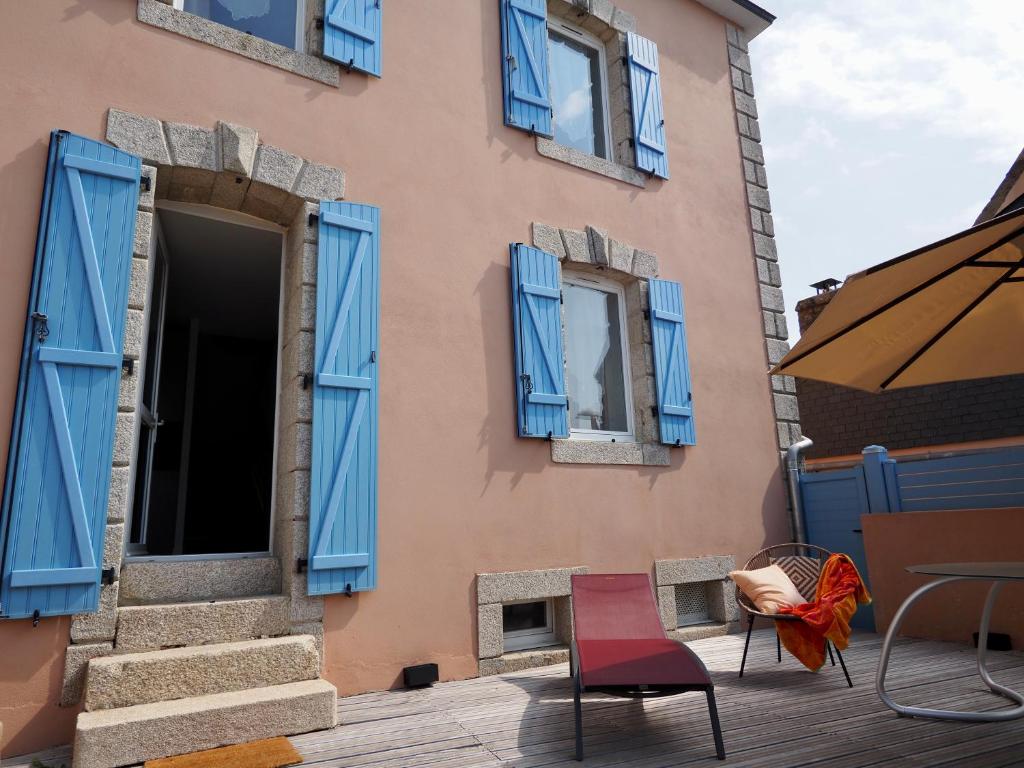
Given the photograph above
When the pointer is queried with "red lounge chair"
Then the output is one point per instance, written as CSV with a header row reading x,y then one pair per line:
x,y
621,648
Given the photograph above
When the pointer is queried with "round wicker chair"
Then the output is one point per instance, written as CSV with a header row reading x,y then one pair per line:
x,y
803,564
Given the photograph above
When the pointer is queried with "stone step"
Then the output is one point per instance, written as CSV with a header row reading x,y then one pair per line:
x,y
149,627
180,581
114,737
128,679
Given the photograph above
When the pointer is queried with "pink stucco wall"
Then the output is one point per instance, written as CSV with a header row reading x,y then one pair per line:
x,y
459,493
31,669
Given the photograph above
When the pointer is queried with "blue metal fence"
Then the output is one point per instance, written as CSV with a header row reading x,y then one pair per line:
x,y
834,498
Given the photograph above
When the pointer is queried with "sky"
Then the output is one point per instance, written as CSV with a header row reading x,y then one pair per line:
x,y
886,125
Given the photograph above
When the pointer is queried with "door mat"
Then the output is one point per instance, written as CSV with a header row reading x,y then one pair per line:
x,y
266,753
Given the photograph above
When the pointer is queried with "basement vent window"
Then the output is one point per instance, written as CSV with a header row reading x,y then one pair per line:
x,y
692,604
528,624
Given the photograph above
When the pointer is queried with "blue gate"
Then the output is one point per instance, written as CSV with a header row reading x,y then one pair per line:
x,y
834,499
833,502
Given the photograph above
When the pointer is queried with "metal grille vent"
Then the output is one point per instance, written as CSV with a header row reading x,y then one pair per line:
x,y
692,603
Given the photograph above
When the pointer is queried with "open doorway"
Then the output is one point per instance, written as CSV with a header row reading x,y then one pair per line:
x,y
205,458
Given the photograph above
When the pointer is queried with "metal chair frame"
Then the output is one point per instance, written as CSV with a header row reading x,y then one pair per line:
x,y
763,559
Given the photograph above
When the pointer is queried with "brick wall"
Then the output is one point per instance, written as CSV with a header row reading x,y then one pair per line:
x,y
842,421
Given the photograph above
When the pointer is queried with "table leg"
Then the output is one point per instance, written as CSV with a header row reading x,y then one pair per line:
x,y
946,714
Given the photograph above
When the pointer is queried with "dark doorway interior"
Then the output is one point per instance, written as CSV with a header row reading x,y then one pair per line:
x,y
206,451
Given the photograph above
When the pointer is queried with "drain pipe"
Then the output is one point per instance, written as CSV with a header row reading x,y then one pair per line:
x,y
793,477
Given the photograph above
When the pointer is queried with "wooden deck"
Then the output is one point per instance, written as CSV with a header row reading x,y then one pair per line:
x,y
776,716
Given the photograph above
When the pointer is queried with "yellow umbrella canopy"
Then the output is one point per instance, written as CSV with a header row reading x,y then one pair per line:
x,y
949,311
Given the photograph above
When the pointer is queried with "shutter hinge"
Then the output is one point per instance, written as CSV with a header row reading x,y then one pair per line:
x,y
313,219
305,380
348,590
146,183
35,618
654,410
647,314
319,21
107,576
301,564
128,366
44,329
561,297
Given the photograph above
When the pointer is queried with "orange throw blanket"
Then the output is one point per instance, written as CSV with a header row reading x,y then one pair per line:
x,y
840,589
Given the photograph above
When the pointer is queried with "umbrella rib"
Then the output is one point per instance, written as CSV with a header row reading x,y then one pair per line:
x,y
945,241
912,292
947,328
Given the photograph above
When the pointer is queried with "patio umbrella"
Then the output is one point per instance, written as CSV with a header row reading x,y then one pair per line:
x,y
949,311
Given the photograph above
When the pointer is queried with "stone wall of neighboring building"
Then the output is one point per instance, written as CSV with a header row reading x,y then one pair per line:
x,y
841,420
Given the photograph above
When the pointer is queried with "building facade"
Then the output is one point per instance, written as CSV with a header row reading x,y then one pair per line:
x,y
344,334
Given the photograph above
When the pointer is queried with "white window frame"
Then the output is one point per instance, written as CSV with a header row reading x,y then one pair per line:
x,y
608,286
537,637
567,29
300,23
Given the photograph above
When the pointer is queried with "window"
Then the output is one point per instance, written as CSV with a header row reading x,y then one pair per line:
x,y
577,90
527,625
597,373
279,21
692,604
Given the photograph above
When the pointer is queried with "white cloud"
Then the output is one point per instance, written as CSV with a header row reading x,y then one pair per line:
x,y
814,134
948,67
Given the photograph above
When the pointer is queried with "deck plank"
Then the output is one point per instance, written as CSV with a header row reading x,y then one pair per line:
x,y
776,715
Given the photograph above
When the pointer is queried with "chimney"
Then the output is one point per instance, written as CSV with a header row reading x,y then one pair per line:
x,y
807,310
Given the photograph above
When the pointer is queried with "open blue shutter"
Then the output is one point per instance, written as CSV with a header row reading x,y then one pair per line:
x,y
524,65
671,366
62,437
645,97
343,483
352,34
543,408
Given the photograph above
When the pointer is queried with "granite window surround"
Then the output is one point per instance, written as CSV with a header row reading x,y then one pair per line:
x,y
609,25
711,570
591,250
493,590
162,14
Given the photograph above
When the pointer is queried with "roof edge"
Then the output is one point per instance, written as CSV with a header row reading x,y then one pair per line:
x,y
750,17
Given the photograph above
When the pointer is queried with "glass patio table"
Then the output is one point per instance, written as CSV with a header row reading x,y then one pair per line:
x,y
946,573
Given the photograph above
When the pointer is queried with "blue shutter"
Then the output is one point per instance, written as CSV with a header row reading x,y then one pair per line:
x,y
343,490
524,65
645,96
543,408
352,34
62,436
671,366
